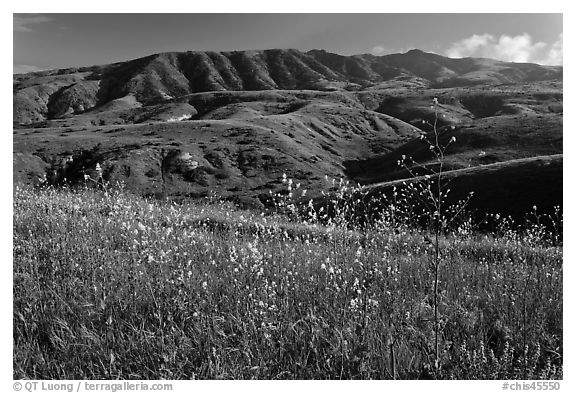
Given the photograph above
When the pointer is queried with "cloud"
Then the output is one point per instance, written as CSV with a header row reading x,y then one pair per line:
x,y
22,21
556,53
379,50
519,49
24,68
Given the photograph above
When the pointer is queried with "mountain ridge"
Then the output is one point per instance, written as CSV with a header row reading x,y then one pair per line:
x,y
46,95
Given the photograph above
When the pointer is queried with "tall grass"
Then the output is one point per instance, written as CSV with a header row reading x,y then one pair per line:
x,y
109,285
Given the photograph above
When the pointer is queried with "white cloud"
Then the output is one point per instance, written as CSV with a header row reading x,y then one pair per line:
x,y
22,21
24,68
556,53
520,48
379,50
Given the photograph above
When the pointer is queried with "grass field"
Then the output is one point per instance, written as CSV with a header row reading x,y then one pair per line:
x,y
114,286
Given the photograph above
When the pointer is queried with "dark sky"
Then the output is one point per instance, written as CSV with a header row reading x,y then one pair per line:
x,y
43,41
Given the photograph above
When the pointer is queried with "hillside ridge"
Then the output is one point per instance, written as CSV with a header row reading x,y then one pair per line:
x,y
157,78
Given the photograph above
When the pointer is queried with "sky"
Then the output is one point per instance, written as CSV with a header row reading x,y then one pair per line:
x,y
46,41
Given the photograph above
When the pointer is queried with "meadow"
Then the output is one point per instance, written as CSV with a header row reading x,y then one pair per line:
x,y
109,285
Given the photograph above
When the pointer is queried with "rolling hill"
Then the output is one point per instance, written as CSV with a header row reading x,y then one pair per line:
x,y
194,124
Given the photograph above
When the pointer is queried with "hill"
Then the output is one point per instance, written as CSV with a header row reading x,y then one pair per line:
x,y
48,95
511,187
195,124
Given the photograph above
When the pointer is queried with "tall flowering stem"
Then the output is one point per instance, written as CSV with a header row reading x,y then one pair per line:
x,y
432,198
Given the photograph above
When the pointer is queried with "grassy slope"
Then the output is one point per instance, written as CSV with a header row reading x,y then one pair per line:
x,y
504,125
511,187
243,143
491,124
157,290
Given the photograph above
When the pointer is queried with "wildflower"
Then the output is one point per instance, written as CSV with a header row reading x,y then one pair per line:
x,y
435,100
354,304
98,169
453,139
